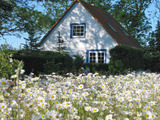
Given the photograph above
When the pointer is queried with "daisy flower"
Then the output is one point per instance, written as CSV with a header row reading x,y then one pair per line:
x,y
148,115
81,86
152,103
73,110
88,118
66,104
94,110
4,83
108,117
88,108
85,94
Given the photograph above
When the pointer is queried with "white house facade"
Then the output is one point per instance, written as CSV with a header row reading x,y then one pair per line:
x,y
82,35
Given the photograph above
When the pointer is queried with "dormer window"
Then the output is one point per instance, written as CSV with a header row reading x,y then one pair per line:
x,y
111,27
124,32
78,30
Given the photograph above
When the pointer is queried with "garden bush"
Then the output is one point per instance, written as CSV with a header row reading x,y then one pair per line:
x,y
7,65
61,64
152,61
44,61
125,58
78,62
101,68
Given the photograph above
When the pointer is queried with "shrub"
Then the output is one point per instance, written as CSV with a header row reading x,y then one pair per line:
x,y
78,62
97,67
152,61
124,58
61,64
44,61
33,60
7,65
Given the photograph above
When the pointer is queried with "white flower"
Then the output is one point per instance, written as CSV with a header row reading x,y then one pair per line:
x,y
52,97
21,112
3,106
67,104
41,99
1,97
152,103
13,76
148,115
77,117
130,105
21,72
88,108
81,86
121,99
88,118
4,83
108,117
43,117
73,110
85,94
139,114
126,119
138,118
130,99
94,110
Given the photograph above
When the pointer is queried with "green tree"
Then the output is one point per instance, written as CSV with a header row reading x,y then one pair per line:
x,y
154,40
131,14
16,14
7,64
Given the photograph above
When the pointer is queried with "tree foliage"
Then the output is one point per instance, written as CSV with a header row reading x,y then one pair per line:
x,y
154,40
131,14
24,16
7,65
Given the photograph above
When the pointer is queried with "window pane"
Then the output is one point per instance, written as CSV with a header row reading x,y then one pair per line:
x,y
78,30
78,34
101,57
74,27
92,57
82,27
78,27
82,34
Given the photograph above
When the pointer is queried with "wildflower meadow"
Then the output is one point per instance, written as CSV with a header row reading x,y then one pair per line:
x,y
135,96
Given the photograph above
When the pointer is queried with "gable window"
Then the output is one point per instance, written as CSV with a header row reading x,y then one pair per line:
x,y
111,27
124,32
96,56
78,30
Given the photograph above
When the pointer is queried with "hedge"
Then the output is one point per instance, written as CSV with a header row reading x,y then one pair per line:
x,y
44,61
125,58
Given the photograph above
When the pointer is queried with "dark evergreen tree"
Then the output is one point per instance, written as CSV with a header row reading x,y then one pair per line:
x,y
154,42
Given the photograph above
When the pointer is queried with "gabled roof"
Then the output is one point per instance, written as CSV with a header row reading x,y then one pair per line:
x,y
117,32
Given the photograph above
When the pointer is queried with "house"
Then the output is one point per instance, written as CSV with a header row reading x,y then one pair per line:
x,y
87,31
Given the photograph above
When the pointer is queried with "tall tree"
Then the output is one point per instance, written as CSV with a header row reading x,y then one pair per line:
x,y
131,14
14,14
154,40
157,5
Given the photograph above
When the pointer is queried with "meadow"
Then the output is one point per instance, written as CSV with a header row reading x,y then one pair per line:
x,y
135,96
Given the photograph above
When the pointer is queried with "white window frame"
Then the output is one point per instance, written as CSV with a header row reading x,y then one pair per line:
x,y
76,30
96,55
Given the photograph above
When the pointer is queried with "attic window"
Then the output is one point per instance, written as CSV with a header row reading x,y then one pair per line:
x,y
124,32
111,27
78,30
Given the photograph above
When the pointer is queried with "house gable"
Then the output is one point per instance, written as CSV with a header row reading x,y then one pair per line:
x,y
99,34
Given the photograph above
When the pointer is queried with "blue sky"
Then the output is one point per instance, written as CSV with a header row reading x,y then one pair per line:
x,y
16,42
